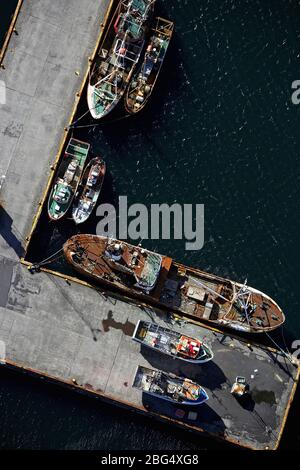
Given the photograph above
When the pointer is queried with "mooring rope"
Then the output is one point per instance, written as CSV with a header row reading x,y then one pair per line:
x,y
282,334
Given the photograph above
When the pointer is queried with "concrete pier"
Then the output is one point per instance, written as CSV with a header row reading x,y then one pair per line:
x,y
70,333
75,335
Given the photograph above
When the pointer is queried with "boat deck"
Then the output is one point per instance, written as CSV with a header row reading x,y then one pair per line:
x,y
64,331
71,333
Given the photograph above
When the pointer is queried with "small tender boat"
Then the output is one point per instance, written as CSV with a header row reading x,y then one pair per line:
x,y
89,190
145,77
119,53
169,387
67,179
171,343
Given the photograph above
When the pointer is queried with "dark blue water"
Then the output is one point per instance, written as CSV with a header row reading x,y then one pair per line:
x,y
221,130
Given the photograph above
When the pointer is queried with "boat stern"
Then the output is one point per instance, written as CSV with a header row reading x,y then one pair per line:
x,y
203,396
97,111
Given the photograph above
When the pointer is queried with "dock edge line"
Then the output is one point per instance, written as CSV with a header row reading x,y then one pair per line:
x,y
67,132
122,403
132,300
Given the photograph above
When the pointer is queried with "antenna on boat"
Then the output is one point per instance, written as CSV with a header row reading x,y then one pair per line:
x,y
244,304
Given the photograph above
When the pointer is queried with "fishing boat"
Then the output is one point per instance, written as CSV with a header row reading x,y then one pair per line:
x,y
119,53
67,178
160,281
169,387
146,75
172,343
89,190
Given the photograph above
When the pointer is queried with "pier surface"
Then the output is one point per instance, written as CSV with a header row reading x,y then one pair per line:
x,y
68,332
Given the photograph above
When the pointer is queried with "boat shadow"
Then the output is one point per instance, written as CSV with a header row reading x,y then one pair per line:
x,y
6,232
200,416
49,236
107,196
208,375
247,402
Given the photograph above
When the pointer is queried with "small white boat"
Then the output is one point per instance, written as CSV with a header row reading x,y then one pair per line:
x,y
145,77
169,387
172,343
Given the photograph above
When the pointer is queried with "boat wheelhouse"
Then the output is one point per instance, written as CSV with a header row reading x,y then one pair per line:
x,y
118,56
160,281
169,387
172,343
67,179
89,190
146,74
